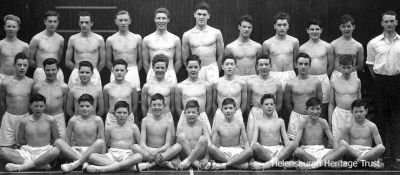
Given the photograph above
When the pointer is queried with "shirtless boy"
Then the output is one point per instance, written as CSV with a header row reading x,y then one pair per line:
x,y
10,46
229,86
310,138
46,44
344,90
162,42
156,136
229,133
127,46
85,87
268,134
14,95
346,44
36,132
121,137
204,41
85,135
282,49
194,138
322,63
362,133
120,90
85,46
56,93
298,91
244,49
262,84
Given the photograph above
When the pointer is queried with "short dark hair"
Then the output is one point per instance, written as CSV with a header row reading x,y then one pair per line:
x,y
50,61
157,96
281,16
346,18
86,64
193,58
246,18
12,17
313,101
390,12
202,6
121,62
121,104
36,97
122,12
86,97
267,96
226,57
85,13
359,103
346,59
20,56
51,13
160,58
314,22
192,104
228,101
262,56
303,55
162,10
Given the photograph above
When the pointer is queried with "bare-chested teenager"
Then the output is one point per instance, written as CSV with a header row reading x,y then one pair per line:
x,y
85,87
310,138
14,98
204,41
268,134
298,90
156,136
244,49
85,46
346,44
322,60
127,46
229,86
193,88
85,135
257,86
122,138
163,42
230,146
46,44
344,90
120,90
56,93
282,49
10,46
362,133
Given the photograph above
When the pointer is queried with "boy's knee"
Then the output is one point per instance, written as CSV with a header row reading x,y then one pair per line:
x,y
256,146
298,151
99,142
203,140
181,137
55,151
343,143
381,148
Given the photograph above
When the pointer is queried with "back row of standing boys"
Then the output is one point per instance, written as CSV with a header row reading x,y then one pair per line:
x,y
202,52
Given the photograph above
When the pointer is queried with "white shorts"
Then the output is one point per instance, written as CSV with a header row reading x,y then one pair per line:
x,y
39,75
274,150
9,128
111,120
283,77
170,76
231,152
324,79
340,118
132,76
32,153
80,149
294,121
336,74
318,151
75,80
60,118
362,149
202,118
255,113
118,155
209,73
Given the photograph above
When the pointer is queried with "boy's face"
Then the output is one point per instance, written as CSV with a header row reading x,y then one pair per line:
x,y
123,21
21,66
51,71
303,65
191,114
85,23
157,106
38,107
347,28
161,20
51,23
159,69
314,31
85,74
119,71
314,111
346,69
281,26
201,16
268,106
193,68
85,108
263,66
228,110
228,66
121,114
11,27
245,28
359,113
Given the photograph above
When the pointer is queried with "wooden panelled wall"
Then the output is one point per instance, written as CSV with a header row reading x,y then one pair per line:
x,y
224,15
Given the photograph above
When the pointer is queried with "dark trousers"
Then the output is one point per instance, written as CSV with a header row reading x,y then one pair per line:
x,y
387,103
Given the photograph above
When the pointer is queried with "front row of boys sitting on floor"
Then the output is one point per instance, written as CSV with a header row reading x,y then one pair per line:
x,y
130,149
